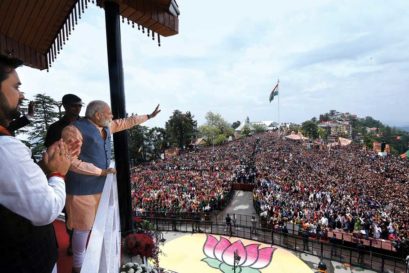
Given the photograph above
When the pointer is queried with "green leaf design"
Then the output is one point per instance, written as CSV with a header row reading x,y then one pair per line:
x,y
249,270
225,268
212,262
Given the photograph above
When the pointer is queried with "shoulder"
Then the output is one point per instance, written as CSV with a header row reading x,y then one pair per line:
x,y
11,147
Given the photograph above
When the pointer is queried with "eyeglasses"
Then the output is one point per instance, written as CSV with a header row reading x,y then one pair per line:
x,y
76,105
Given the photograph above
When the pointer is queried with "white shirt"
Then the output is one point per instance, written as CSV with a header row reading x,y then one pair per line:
x,y
24,188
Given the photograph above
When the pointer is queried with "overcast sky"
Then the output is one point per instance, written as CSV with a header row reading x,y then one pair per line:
x,y
348,55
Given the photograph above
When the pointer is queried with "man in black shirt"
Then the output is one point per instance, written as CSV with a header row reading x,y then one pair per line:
x,y
72,105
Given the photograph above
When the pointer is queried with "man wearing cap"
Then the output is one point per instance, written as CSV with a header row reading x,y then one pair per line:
x,y
72,105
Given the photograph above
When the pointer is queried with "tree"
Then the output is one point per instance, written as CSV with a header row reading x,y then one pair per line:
x,y
220,139
323,133
246,131
210,133
235,124
259,128
216,120
294,128
44,116
23,130
180,129
137,147
215,128
156,139
310,129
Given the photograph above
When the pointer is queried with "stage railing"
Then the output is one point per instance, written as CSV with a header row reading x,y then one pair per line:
x,y
104,247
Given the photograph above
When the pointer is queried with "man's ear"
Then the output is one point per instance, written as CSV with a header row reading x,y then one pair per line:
x,y
98,116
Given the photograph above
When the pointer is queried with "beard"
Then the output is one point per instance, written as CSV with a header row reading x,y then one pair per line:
x,y
9,113
106,123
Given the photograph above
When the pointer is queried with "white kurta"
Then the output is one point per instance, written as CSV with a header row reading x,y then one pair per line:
x,y
24,188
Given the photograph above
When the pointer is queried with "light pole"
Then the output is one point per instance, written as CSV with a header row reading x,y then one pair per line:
x,y
236,260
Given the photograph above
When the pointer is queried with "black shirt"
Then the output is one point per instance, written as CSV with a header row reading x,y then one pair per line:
x,y
55,130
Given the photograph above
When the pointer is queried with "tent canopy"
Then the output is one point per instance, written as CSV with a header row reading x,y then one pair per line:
x,y
36,30
294,136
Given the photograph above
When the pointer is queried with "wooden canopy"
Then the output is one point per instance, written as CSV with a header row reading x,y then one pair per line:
x,y
36,30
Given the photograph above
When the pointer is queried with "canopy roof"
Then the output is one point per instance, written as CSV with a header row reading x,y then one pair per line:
x,y
294,136
35,30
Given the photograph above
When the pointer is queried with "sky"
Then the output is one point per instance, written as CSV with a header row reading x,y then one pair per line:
x,y
347,55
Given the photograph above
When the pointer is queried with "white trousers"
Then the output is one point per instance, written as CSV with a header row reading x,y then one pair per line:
x,y
79,245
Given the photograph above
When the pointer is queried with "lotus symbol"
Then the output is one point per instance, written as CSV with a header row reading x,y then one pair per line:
x,y
224,255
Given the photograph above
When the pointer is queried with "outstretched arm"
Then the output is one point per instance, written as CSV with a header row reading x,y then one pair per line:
x,y
127,123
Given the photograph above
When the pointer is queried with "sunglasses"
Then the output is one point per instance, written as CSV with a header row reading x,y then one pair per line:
x,y
76,105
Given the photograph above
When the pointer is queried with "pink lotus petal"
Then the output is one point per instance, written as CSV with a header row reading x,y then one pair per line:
x,y
209,246
228,254
252,254
221,247
264,257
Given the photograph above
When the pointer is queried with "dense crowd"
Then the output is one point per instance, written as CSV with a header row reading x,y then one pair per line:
x,y
194,181
348,188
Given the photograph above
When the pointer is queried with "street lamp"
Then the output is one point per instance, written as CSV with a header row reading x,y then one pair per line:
x,y
236,260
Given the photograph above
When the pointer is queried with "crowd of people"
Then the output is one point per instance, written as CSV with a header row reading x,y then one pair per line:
x,y
193,182
346,188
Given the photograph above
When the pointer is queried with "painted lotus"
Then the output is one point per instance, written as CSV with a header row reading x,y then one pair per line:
x,y
221,254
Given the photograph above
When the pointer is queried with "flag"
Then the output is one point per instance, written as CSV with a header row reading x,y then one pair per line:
x,y
274,92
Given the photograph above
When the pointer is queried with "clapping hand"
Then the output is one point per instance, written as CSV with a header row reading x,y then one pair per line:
x,y
57,158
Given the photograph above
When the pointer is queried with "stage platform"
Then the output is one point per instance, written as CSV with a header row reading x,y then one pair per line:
x,y
206,253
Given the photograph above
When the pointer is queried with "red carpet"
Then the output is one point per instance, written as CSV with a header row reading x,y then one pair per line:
x,y
64,263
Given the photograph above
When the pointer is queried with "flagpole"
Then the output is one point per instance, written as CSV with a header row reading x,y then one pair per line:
x,y
278,84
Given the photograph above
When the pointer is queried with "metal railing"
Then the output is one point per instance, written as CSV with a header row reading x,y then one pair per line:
x,y
363,257
104,246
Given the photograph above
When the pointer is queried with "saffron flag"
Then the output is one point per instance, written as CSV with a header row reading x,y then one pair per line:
x,y
274,92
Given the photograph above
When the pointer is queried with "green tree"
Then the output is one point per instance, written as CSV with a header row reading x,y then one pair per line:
x,y
259,128
294,128
220,139
156,140
180,129
24,130
209,133
44,115
310,129
323,133
137,143
216,120
246,131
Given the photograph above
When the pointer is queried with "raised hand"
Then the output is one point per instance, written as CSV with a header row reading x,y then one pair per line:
x,y
155,112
